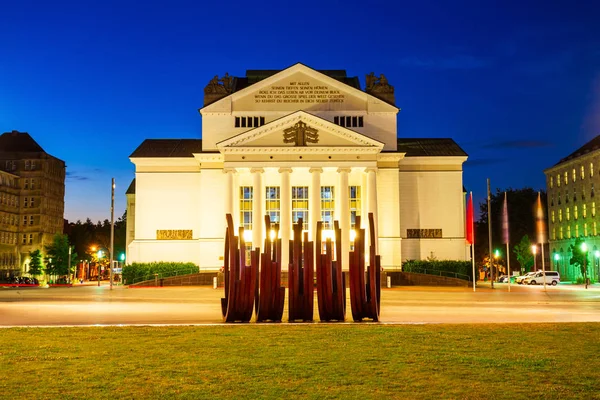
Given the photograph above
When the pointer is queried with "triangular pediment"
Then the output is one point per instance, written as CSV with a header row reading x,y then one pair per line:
x,y
301,131
299,88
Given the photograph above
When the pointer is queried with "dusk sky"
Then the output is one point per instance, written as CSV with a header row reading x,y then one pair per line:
x,y
516,84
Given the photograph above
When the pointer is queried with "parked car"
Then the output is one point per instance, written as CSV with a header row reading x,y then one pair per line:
x,y
552,278
504,279
521,278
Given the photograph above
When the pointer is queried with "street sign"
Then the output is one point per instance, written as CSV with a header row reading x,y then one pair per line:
x,y
117,270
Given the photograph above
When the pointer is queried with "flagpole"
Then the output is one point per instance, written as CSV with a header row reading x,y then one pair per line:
x,y
508,265
473,262
489,212
541,234
506,236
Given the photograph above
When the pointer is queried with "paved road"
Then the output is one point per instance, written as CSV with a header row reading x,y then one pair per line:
x,y
91,305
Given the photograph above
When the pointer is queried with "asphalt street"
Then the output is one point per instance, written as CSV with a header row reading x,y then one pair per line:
x,y
92,305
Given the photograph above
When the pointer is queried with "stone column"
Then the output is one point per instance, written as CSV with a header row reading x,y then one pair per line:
x,y
314,206
372,201
229,190
344,217
285,213
257,201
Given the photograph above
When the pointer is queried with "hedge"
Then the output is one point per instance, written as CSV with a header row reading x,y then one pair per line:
x,y
453,266
137,271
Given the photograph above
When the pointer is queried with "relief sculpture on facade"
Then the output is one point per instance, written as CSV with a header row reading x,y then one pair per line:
x,y
424,233
300,134
174,234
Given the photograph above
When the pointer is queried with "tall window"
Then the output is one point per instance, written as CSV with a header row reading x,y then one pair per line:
x,y
591,170
246,196
26,186
327,206
566,176
574,174
31,220
582,172
576,230
32,184
355,204
553,233
27,164
584,211
575,213
26,202
273,203
30,238
552,216
551,182
559,215
560,232
24,219
569,232
593,208
568,214
558,180
300,205
585,232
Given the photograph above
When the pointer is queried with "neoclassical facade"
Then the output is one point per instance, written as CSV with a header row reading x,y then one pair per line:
x,y
296,143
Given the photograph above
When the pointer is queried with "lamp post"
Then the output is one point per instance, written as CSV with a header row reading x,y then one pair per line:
x,y
122,265
496,256
112,229
99,267
596,263
556,258
534,251
584,251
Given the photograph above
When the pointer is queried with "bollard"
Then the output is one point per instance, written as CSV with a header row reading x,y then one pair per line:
x,y
389,282
215,282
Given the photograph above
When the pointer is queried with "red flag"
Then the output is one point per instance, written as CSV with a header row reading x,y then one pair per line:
x,y
540,221
505,235
469,231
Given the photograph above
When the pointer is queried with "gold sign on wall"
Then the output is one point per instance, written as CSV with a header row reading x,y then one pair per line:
x,y
174,234
424,233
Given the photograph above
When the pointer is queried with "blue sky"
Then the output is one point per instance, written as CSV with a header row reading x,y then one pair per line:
x,y
515,83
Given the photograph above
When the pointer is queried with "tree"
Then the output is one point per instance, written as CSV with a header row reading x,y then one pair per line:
x,y
36,267
524,254
578,256
521,220
58,252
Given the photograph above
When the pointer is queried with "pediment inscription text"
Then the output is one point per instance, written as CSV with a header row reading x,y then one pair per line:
x,y
299,92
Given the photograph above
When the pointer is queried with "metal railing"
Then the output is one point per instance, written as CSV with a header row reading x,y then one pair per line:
x,y
436,272
161,275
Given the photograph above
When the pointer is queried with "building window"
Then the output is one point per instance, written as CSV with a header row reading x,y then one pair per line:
x,y
32,165
250,122
348,121
246,196
574,194
568,214
593,208
24,239
273,203
594,226
25,202
585,232
327,206
31,238
591,170
575,213
355,204
574,175
32,184
27,165
584,211
559,215
300,205
551,182
32,202
24,219
26,185
560,232
552,216
558,180
569,232
576,230
31,220
582,172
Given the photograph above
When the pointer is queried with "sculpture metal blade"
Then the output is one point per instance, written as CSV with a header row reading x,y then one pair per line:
x,y
331,284
365,289
270,298
300,277
240,279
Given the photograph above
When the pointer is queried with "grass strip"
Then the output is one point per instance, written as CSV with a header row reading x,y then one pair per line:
x,y
512,361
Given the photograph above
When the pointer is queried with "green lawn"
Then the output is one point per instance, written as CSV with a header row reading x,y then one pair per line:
x,y
303,361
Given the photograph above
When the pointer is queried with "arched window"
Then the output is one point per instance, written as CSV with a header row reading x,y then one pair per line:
x,y
551,182
552,216
558,180
584,211
574,174
582,172
568,214
575,213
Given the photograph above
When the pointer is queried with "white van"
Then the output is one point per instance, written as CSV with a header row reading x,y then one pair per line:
x,y
552,278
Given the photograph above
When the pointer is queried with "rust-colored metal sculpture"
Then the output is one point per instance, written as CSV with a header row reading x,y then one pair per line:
x,y
270,298
365,289
331,284
240,279
300,276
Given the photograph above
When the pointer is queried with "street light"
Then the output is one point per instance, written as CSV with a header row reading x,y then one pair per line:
x,y
556,258
99,272
584,250
534,251
496,256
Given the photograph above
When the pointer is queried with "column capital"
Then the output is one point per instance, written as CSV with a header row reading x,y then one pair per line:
x,y
371,169
259,170
344,169
285,169
316,169
229,170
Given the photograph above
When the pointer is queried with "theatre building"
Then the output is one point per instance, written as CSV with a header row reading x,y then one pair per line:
x,y
296,143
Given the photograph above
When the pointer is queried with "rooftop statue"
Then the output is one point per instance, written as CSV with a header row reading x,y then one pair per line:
x,y
215,87
378,85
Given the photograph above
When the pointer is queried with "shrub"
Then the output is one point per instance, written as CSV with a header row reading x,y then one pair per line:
x,y
137,271
452,266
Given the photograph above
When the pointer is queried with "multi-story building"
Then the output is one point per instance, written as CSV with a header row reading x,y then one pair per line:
x,y
572,209
296,143
32,192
